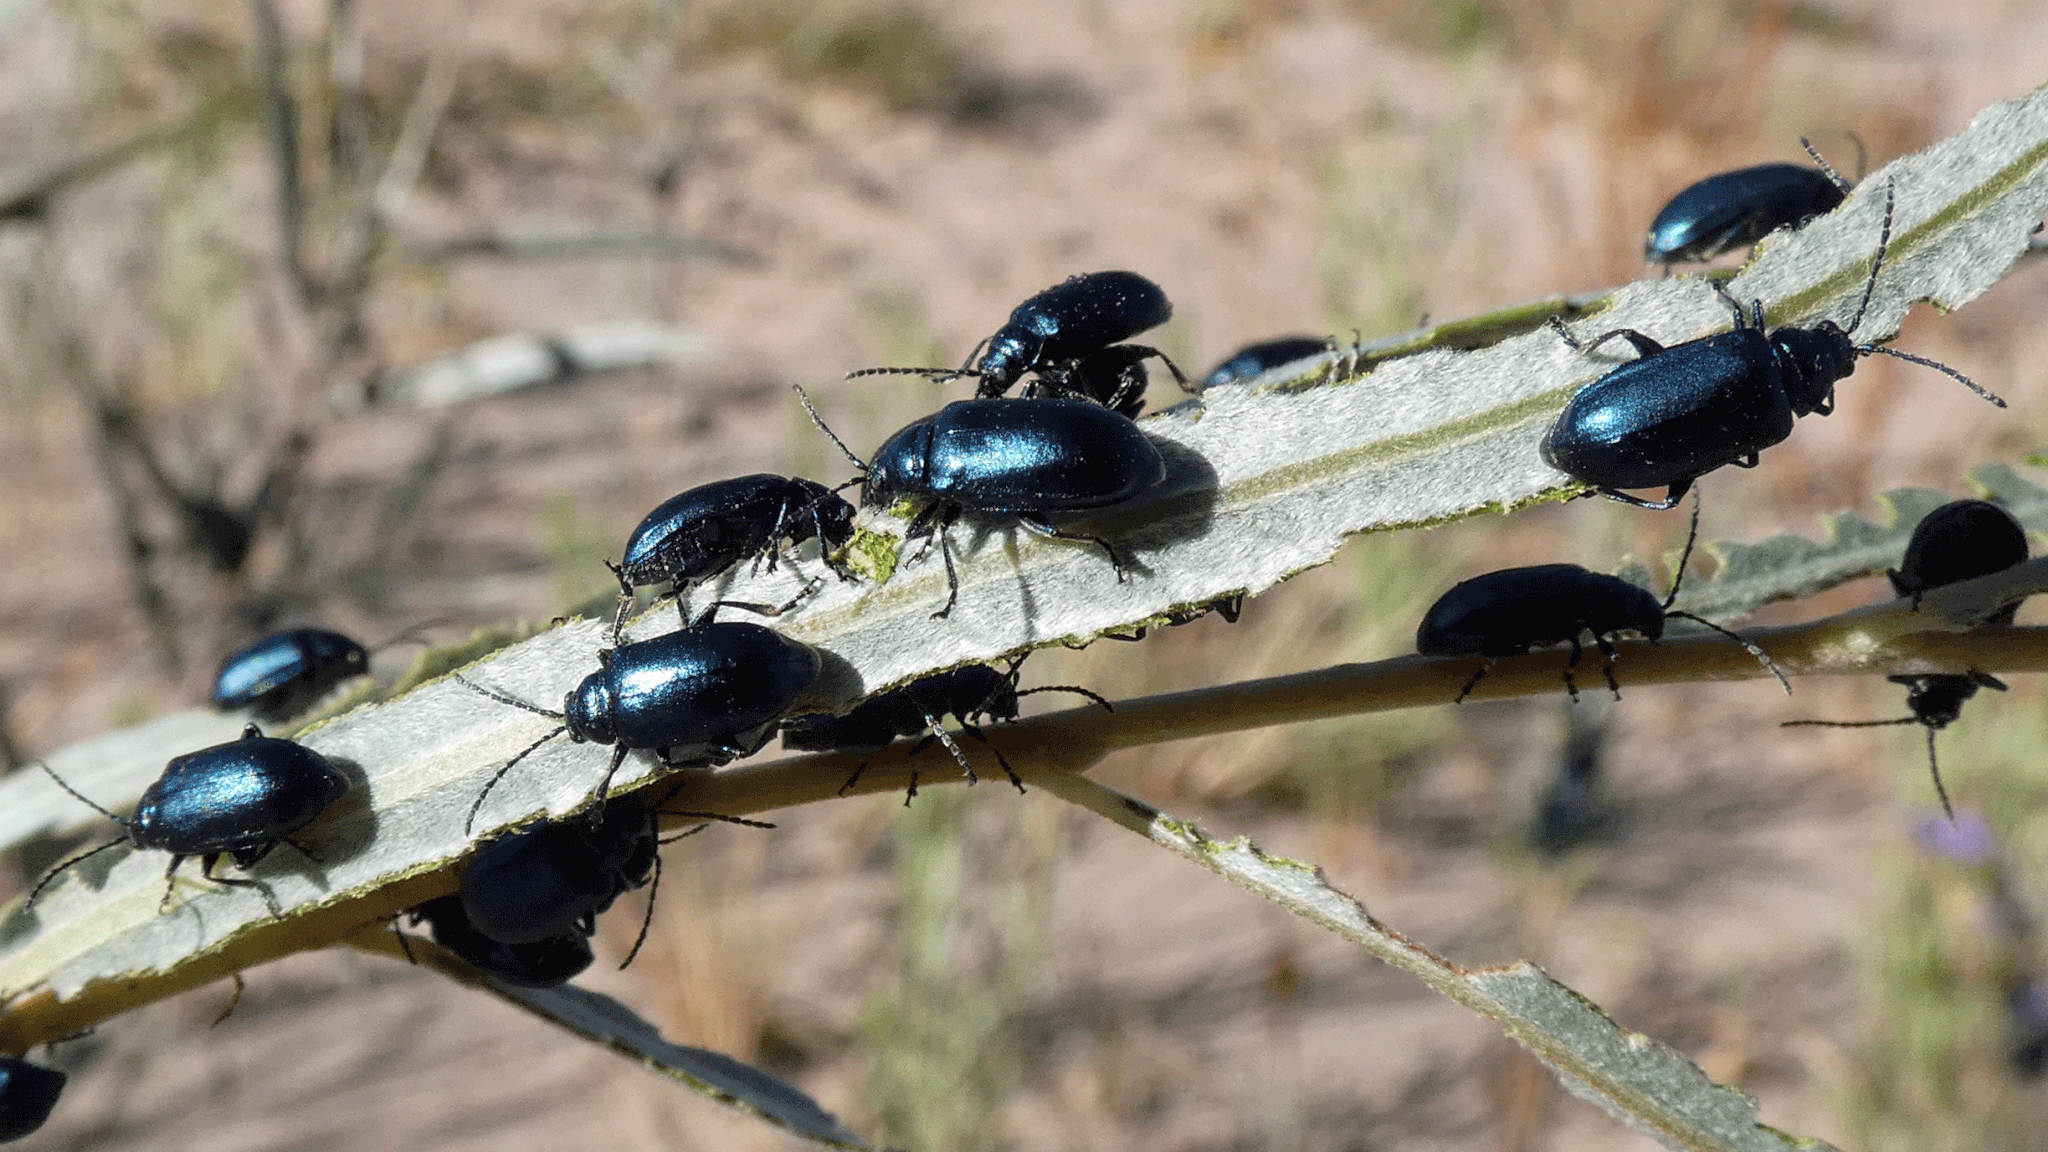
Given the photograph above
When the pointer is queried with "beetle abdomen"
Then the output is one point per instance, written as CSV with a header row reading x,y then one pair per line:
x,y
1672,415
236,795
1038,456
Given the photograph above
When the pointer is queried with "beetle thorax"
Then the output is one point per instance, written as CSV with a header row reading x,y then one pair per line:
x,y
144,829
1810,361
587,710
1009,356
898,469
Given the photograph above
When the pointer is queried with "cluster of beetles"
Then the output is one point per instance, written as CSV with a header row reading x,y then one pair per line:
x,y
714,690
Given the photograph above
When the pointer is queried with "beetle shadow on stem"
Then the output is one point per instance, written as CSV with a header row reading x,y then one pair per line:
x,y
41,854
1179,508
344,831
837,683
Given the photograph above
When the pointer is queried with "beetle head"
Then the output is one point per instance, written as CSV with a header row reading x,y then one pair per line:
x,y
899,467
1008,356
1810,361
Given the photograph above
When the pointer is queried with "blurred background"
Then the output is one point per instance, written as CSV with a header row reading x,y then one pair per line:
x,y
254,255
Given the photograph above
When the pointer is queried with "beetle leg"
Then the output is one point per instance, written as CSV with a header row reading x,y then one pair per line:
x,y
976,732
952,577
1179,377
853,779
308,853
805,593
931,522
1608,657
1473,682
170,881
1043,529
1643,345
626,599
1671,496
1986,680
404,945
1721,290
604,786
206,864
824,548
1571,685
1934,768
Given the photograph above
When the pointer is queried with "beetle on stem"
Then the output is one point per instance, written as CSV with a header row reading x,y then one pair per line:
x,y
1677,413
1961,540
1025,460
240,799
1506,613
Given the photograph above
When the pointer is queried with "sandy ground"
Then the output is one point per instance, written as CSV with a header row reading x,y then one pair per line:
x,y
1279,167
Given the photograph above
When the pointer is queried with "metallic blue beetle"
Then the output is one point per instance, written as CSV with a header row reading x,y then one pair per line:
x,y
1506,613
240,799
28,1093
1252,359
554,877
1959,541
1027,459
278,676
1736,209
546,963
973,693
1068,335
696,535
700,696
1675,414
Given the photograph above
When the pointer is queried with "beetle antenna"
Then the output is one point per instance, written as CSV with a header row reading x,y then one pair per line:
x,y
1884,243
646,921
1691,537
1074,688
1762,657
411,634
76,795
53,873
501,698
469,824
805,398
1938,366
1934,766
936,374
234,1001
1828,169
1849,723
721,817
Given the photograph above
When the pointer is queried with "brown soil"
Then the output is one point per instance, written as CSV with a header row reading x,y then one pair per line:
x,y
1280,166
